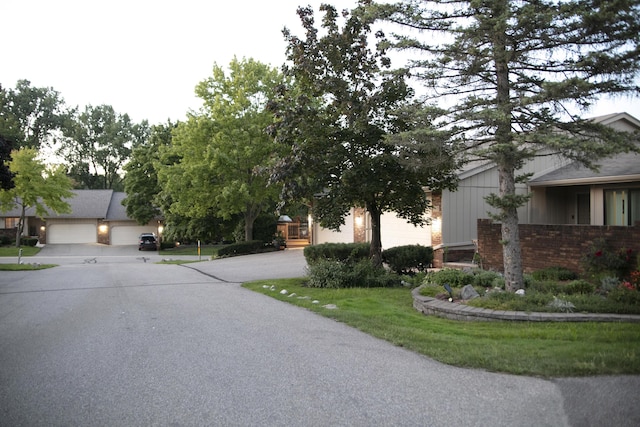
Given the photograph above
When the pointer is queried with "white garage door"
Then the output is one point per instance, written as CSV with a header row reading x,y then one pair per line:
x,y
72,233
128,234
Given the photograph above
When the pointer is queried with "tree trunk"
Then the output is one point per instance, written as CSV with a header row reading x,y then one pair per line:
x,y
376,241
20,226
511,253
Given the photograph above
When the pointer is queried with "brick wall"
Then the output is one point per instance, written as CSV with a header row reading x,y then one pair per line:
x,y
552,245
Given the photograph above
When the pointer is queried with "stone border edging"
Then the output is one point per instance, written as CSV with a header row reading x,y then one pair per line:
x,y
452,311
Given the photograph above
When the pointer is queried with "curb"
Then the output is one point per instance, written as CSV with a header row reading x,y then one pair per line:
x,y
435,307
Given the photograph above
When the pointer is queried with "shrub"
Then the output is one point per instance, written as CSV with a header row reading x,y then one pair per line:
x,y
241,248
603,259
545,286
451,276
577,287
554,273
335,274
409,258
345,252
485,278
28,241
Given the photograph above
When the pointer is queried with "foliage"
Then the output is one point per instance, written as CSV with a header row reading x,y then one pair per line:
x,y
241,248
453,277
97,145
336,120
521,74
409,258
28,241
216,163
36,186
486,279
341,252
603,259
141,177
6,144
554,273
328,273
32,117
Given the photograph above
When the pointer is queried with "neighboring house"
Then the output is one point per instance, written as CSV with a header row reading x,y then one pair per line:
x,y
97,216
562,193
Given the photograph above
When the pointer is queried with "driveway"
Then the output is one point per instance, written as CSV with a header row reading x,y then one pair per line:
x,y
124,342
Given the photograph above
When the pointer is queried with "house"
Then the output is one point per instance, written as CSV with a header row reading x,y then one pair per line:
x,y
97,216
562,193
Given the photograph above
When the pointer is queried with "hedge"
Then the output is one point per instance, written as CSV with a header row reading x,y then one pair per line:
x,y
409,258
343,252
241,248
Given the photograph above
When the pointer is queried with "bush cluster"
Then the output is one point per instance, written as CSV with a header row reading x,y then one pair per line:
x,y
603,260
554,273
343,252
28,241
327,273
241,248
408,259
454,278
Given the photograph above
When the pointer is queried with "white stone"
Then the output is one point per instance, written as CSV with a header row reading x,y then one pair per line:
x,y
284,292
293,294
315,301
330,306
520,292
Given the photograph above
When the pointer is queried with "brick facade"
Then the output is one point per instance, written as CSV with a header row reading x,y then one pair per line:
x,y
552,245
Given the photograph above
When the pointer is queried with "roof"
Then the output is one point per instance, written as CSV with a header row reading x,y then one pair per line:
x,y
620,168
87,204
117,211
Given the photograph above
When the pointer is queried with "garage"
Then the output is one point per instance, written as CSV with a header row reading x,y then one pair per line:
x,y
128,234
72,233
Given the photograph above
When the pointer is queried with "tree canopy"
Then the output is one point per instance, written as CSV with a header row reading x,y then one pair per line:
x,y
32,117
354,144
141,177
519,76
97,145
36,186
220,154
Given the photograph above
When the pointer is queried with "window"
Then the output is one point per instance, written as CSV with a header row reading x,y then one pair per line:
x,y
11,222
622,206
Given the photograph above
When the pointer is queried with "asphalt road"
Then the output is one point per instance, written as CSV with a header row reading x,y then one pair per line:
x,y
123,342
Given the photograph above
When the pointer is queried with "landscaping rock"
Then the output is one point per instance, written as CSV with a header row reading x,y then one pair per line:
x,y
468,293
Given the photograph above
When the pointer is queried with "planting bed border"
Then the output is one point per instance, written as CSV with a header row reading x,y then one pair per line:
x,y
455,311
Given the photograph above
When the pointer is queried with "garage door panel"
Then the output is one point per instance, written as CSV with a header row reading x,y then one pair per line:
x,y
128,234
72,233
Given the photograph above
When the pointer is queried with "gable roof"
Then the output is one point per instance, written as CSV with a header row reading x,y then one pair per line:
x,y
86,204
621,168
623,165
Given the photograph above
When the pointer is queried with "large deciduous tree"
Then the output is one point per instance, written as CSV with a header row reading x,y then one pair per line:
x,y
32,117
352,142
223,149
98,143
36,186
141,177
521,75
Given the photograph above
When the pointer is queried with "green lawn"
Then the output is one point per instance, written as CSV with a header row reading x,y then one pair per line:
x,y
13,251
25,267
535,349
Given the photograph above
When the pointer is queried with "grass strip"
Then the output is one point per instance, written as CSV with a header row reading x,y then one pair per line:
x,y
9,251
25,267
523,348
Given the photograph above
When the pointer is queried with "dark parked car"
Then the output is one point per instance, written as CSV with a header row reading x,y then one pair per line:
x,y
147,241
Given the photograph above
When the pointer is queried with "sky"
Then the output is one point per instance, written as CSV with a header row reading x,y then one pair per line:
x,y
145,57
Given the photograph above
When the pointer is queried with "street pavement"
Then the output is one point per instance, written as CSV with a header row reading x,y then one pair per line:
x,y
110,338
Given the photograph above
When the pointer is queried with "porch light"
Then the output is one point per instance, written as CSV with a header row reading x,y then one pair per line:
x,y
160,229
436,225
103,228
